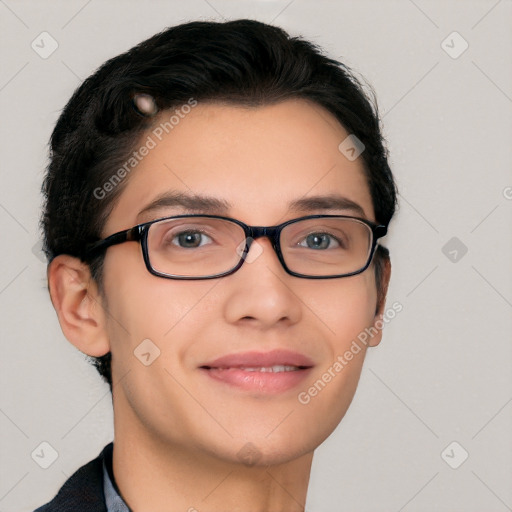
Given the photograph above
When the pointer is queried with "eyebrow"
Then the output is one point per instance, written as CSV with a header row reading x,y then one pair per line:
x,y
188,202
195,203
327,202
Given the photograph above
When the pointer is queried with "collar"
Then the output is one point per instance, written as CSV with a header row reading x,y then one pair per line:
x,y
113,499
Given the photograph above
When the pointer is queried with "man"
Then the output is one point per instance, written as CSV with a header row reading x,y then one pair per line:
x,y
214,204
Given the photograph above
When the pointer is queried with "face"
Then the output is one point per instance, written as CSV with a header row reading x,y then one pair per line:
x,y
258,160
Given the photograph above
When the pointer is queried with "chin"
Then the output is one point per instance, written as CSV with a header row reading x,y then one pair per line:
x,y
262,451
252,455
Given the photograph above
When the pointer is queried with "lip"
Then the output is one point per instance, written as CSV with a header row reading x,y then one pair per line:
x,y
230,370
261,359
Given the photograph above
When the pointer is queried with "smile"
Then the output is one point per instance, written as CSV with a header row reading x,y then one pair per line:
x,y
274,369
271,372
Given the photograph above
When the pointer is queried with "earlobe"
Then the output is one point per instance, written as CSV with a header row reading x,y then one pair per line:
x,y
79,306
382,290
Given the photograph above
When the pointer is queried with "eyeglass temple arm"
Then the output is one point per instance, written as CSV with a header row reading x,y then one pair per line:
x,y
380,231
132,234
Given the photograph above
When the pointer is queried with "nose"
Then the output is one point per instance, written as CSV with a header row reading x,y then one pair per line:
x,y
261,291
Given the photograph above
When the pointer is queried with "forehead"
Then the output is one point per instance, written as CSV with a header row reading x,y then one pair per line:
x,y
255,161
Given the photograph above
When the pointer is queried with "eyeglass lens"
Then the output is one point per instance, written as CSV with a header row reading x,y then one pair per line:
x,y
202,246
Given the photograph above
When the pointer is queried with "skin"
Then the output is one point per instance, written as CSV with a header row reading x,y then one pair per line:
x,y
178,433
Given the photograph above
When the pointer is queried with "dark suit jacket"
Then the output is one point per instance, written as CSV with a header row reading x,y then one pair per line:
x,y
83,491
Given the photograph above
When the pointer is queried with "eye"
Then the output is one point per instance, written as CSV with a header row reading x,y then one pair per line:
x,y
187,239
320,241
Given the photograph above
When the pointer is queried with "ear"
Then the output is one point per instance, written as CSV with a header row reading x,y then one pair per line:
x,y
382,290
78,304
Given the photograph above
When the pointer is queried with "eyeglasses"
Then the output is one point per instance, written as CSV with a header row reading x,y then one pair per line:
x,y
211,246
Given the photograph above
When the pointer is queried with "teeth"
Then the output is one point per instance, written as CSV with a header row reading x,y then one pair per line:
x,y
276,368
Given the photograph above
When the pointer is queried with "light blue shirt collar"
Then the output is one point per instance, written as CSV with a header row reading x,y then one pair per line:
x,y
113,501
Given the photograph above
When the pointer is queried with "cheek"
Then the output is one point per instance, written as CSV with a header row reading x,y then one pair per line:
x,y
142,306
151,320
346,307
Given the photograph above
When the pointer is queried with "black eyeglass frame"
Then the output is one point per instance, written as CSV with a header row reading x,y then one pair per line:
x,y
139,233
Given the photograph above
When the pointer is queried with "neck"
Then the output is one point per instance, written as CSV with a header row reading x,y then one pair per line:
x,y
160,475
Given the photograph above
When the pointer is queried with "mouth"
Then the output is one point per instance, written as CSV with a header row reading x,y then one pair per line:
x,y
266,372
272,369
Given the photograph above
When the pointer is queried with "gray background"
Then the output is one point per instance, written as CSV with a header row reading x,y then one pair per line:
x,y
443,371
